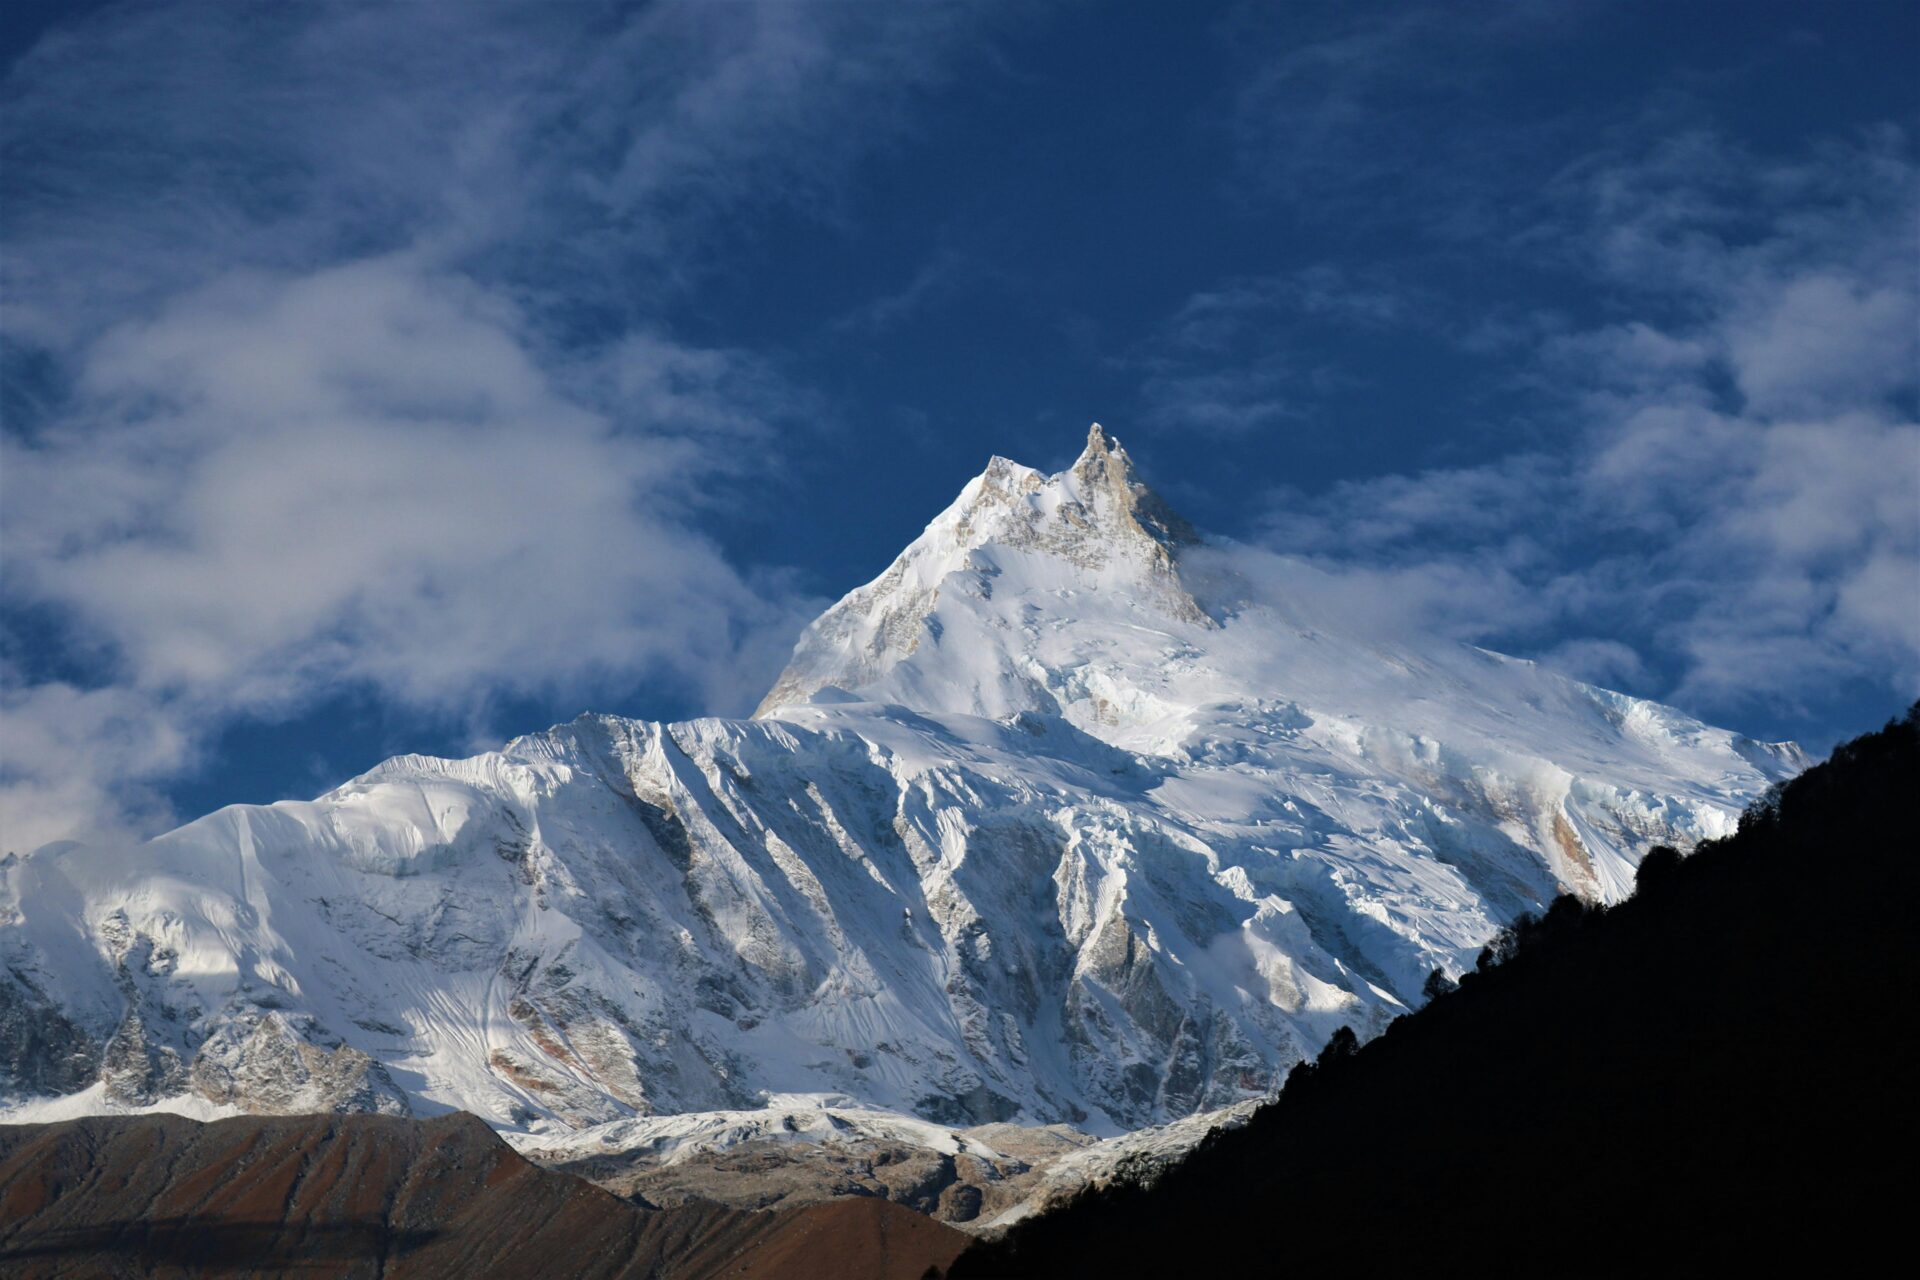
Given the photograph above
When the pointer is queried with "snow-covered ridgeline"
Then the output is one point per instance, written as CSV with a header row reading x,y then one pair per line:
x,y
1057,820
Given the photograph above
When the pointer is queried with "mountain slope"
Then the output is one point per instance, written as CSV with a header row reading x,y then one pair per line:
x,y
379,1196
1702,1077
1065,818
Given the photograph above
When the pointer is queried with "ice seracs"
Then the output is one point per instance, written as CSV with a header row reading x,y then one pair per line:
x,y
1069,816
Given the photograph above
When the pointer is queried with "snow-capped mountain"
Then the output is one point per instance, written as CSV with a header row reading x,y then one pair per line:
x,y
1062,818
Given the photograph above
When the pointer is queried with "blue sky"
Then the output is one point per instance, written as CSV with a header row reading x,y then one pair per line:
x,y
402,377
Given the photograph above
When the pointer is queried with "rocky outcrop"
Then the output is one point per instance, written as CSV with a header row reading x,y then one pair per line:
x,y
136,1069
271,1071
253,1058
42,1050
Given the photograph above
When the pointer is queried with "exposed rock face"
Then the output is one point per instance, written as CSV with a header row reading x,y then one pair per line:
x,y
274,1072
402,1200
254,1058
42,1050
136,1069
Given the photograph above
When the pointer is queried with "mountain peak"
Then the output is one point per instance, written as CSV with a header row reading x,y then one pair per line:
x,y
1105,467
1101,447
1096,508
1093,528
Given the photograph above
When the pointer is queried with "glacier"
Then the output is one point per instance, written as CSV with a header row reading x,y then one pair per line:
x,y
1064,818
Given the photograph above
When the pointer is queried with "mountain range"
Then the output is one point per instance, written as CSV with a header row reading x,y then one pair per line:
x,y
1072,816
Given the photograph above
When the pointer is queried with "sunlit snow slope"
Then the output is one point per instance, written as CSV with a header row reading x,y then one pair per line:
x,y
1066,816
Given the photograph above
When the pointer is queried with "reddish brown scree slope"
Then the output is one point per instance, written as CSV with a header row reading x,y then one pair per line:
x,y
351,1196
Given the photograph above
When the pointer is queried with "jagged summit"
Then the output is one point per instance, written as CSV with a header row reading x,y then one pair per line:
x,y
1096,508
1104,469
1093,530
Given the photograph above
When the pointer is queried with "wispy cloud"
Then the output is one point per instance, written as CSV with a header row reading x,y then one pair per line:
x,y
1729,511
1230,361
1702,350
944,274
1343,110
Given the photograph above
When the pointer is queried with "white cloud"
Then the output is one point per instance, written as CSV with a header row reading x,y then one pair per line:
x,y
1223,402
1608,663
1732,517
359,477
1822,338
80,763
592,152
1460,598
318,414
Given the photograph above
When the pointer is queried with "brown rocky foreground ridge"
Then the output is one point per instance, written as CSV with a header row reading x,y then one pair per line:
x,y
370,1195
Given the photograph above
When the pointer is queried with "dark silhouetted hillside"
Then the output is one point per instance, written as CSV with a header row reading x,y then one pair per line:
x,y
1712,1074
